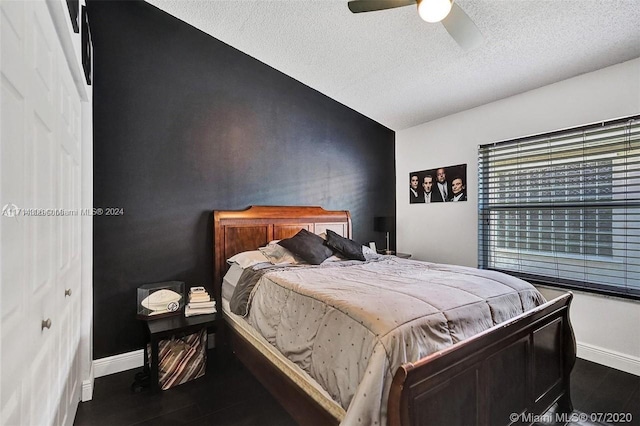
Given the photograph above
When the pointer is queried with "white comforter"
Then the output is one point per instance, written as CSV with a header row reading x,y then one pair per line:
x,y
351,327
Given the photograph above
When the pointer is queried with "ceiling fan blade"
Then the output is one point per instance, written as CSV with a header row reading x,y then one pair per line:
x,y
462,28
357,6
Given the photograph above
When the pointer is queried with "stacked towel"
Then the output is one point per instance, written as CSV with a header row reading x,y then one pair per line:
x,y
200,302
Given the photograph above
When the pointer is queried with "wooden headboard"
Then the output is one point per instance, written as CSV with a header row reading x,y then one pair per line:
x,y
235,231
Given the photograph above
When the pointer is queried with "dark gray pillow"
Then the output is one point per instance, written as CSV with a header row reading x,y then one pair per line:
x,y
307,246
346,247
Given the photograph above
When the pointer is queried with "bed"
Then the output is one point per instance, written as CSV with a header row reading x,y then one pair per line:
x,y
504,374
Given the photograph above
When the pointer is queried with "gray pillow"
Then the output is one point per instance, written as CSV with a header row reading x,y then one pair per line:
x,y
348,248
307,246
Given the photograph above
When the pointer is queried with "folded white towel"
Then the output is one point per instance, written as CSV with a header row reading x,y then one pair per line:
x,y
189,312
198,305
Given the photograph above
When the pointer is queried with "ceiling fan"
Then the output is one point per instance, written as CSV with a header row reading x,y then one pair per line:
x,y
454,19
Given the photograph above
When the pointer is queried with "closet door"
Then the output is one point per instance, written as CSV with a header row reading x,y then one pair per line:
x,y
39,246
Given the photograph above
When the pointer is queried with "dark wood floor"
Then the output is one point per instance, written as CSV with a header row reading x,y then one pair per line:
x,y
231,396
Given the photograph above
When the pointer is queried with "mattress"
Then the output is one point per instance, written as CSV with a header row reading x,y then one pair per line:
x,y
290,369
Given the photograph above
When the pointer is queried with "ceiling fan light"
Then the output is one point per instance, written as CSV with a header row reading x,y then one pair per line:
x,y
434,10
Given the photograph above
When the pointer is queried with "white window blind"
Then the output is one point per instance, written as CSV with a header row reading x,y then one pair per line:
x,y
564,208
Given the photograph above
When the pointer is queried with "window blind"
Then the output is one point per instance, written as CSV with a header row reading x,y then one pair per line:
x,y
563,208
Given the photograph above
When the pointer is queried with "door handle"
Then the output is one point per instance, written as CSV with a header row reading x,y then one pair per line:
x,y
46,323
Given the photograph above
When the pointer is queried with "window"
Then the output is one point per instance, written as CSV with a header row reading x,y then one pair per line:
x,y
564,208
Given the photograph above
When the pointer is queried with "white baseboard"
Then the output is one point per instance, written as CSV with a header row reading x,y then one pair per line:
x,y
129,360
117,363
610,358
87,387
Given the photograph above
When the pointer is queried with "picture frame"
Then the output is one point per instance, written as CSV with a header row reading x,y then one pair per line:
x,y
86,46
440,184
74,8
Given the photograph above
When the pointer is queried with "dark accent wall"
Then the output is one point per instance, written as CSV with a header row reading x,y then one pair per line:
x,y
185,124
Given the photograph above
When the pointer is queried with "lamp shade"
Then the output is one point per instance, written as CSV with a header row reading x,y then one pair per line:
x,y
384,223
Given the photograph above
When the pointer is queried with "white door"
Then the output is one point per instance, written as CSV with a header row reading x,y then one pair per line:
x,y
39,243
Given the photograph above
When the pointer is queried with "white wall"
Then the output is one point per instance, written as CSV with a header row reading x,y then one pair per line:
x,y
448,233
606,328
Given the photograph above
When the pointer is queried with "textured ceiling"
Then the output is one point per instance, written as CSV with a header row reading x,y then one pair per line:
x,y
401,71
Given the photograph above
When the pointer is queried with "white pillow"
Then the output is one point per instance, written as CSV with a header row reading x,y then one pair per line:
x,y
368,250
279,255
369,253
247,259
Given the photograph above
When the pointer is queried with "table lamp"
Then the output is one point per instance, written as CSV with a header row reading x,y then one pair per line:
x,y
384,224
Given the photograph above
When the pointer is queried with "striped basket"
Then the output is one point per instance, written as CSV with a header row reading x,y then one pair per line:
x,y
181,359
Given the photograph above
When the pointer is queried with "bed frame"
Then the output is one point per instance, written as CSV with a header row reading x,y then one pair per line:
x,y
522,366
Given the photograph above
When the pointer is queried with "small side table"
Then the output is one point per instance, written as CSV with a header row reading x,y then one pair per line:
x,y
166,327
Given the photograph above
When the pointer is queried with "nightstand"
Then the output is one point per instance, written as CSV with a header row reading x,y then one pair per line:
x,y
164,328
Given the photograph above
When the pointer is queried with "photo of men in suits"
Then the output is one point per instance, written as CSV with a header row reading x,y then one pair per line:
x,y
443,187
427,188
458,190
440,185
415,194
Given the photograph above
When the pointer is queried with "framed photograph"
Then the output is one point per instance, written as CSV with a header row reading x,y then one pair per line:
x,y
87,46
74,7
439,185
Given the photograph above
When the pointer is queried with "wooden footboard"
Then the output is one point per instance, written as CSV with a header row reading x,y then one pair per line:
x,y
502,376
